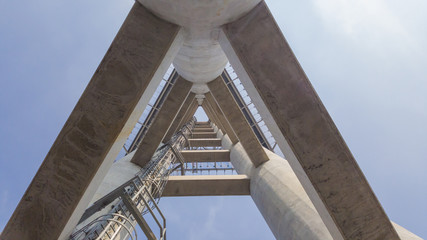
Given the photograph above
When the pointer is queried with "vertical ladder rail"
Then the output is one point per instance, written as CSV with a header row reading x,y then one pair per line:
x,y
151,180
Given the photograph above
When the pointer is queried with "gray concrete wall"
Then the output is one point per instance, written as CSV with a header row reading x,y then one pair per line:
x,y
281,199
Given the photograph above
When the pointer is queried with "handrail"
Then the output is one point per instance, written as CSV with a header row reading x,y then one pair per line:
x,y
151,179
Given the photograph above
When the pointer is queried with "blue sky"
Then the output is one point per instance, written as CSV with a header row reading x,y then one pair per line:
x,y
366,59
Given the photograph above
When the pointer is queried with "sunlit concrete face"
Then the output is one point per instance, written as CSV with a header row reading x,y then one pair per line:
x,y
201,58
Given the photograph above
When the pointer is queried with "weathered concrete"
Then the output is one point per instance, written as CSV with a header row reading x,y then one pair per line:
x,y
120,172
404,234
206,155
207,124
201,59
158,128
192,111
307,134
199,129
203,135
212,114
181,113
237,121
205,142
209,113
187,113
96,129
207,185
279,196
281,199
222,118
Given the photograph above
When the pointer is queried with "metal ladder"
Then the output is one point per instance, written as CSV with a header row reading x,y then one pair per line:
x,y
137,197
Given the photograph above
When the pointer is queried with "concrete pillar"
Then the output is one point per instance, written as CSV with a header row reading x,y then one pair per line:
x,y
219,123
279,196
158,128
212,114
237,121
303,128
96,129
191,112
182,122
184,108
222,118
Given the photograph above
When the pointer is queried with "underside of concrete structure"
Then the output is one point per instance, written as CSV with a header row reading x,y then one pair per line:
x,y
305,182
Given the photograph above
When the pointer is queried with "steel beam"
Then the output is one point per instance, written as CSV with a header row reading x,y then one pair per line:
x,y
303,128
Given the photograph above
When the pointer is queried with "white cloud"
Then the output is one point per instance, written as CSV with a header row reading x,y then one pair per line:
x,y
209,230
369,21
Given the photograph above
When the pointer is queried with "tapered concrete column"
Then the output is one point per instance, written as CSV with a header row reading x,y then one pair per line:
x,y
190,108
237,121
191,112
303,128
157,130
216,114
279,196
96,129
184,108
222,118
212,115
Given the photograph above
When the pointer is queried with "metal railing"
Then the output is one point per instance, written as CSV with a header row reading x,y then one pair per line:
x,y
153,112
137,197
249,110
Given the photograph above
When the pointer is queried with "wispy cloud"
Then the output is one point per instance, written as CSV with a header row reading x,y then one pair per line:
x,y
370,21
209,230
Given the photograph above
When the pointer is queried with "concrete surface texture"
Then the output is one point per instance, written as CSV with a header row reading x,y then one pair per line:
x,y
158,129
96,129
201,58
179,116
227,129
207,185
279,196
330,174
237,121
319,193
281,199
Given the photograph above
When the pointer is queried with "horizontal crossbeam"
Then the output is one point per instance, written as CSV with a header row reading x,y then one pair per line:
x,y
203,135
205,142
206,155
207,185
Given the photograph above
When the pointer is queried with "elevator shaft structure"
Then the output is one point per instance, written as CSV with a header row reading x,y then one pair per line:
x,y
137,197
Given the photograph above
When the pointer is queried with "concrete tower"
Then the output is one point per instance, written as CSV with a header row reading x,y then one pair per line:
x,y
315,191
